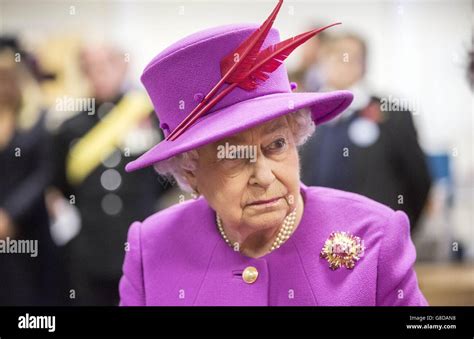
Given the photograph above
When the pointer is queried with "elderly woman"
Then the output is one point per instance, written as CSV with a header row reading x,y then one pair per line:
x,y
255,235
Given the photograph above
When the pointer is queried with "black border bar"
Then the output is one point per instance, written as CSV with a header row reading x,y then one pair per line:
x,y
136,322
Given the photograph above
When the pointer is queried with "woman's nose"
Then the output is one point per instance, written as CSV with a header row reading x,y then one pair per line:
x,y
262,173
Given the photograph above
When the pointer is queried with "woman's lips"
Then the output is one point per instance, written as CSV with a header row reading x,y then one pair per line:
x,y
265,202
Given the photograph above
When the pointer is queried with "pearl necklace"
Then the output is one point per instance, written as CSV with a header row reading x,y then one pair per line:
x,y
282,236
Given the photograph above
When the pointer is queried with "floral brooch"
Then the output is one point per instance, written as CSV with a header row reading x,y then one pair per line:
x,y
342,249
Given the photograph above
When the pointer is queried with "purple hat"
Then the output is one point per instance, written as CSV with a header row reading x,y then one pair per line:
x,y
180,78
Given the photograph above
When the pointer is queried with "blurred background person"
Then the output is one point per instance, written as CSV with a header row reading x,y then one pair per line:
x,y
307,74
116,123
26,279
372,149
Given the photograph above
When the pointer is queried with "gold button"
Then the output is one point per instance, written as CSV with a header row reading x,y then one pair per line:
x,y
250,275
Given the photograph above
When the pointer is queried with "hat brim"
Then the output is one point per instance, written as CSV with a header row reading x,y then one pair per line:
x,y
242,116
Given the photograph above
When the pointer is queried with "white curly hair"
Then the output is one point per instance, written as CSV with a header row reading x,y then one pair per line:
x,y
300,122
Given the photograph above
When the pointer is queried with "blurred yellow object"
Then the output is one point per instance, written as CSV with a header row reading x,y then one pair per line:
x,y
59,55
102,139
447,284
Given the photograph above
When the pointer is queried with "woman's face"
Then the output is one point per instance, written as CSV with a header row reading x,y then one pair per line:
x,y
258,186
343,63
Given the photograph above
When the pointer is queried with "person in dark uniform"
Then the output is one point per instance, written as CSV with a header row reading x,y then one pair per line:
x,y
372,149
107,200
32,277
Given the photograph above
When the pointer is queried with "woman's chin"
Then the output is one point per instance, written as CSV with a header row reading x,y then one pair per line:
x,y
267,218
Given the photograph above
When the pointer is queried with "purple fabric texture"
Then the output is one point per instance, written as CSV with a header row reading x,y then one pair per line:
x,y
177,258
177,78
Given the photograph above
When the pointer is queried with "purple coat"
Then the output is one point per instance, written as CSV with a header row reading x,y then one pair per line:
x,y
177,257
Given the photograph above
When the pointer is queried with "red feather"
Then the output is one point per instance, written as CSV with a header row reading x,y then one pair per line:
x,y
250,70
266,62
233,70
272,57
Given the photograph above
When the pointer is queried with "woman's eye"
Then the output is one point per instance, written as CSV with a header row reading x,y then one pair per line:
x,y
277,145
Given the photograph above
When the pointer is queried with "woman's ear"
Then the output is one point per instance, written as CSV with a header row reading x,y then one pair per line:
x,y
191,179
